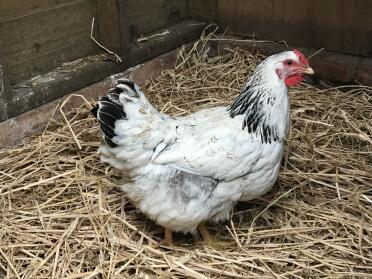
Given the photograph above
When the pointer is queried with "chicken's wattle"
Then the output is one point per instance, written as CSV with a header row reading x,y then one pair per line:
x,y
293,80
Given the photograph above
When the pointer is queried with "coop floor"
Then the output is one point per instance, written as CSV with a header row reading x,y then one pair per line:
x,y
63,217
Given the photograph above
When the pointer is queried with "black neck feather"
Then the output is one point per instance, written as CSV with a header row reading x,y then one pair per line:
x,y
250,103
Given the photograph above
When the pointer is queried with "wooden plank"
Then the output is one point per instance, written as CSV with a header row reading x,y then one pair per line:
x,y
35,120
38,65
113,25
254,18
108,20
43,40
125,38
2,83
148,15
35,92
339,25
205,10
179,34
14,8
2,93
4,88
363,73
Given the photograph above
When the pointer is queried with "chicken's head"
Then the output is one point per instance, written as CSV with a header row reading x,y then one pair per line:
x,y
291,66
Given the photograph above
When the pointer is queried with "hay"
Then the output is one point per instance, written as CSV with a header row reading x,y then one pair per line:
x,y
62,216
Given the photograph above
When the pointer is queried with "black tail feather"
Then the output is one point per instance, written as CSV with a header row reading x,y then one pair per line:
x,y
109,109
94,111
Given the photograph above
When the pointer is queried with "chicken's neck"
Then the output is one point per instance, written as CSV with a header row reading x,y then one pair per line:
x,y
265,104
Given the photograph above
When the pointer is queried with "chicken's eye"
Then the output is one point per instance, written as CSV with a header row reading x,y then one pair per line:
x,y
289,62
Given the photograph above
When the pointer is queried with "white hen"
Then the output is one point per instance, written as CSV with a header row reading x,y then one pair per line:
x,y
187,170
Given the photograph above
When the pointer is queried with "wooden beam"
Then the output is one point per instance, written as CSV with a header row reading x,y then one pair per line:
x,y
146,16
108,24
177,35
35,92
205,10
2,92
4,89
125,38
83,72
11,9
44,38
28,123
343,26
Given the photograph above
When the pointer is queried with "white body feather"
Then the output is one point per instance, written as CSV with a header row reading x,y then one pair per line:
x,y
186,170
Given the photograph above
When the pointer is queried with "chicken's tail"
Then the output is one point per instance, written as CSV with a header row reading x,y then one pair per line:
x,y
124,101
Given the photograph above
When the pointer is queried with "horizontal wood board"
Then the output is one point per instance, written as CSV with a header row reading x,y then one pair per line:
x,y
340,25
43,38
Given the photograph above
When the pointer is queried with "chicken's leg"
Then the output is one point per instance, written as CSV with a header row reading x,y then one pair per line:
x,y
208,239
167,241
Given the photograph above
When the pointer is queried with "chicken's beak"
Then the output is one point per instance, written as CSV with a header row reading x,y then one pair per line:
x,y
307,70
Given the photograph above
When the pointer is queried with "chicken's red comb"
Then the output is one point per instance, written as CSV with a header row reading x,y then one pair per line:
x,y
301,56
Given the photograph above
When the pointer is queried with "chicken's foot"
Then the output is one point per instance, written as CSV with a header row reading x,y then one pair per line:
x,y
207,238
168,239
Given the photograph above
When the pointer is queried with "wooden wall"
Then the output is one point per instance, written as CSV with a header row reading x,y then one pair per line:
x,y
39,35
2,91
139,19
145,16
340,25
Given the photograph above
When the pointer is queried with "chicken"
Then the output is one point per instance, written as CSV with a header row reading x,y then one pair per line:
x,y
188,170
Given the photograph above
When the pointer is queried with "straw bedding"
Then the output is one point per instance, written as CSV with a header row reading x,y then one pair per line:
x,y
63,217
